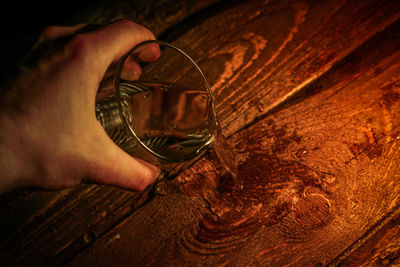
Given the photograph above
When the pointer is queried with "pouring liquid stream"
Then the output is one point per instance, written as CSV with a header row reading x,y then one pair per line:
x,y
226,155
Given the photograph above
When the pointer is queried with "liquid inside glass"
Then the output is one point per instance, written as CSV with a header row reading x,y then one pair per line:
x,y
169,119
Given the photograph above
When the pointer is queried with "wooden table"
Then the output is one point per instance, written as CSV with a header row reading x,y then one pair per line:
x,y
308,93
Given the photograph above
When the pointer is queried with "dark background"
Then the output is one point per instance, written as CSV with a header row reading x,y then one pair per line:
x,y
22,23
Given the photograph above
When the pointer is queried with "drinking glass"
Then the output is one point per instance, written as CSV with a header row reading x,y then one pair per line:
x,y
159,110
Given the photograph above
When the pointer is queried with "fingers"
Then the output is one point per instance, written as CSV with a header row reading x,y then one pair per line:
x,y
146,53
108,42
131,70
93,52
116,39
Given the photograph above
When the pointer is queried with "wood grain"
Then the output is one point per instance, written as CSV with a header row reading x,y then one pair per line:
x,y
316,175
158,16
309,169
46,231
257,54
380,246
51,227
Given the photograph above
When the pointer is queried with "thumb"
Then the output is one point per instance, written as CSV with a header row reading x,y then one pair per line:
x,y
111,165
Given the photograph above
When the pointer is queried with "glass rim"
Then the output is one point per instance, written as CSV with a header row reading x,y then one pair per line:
x,y
125,119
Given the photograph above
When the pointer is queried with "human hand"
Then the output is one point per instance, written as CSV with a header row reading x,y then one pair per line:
x,y
49,136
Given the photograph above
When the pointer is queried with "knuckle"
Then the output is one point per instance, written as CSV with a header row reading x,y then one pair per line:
x,y
79,46
129,24
80,42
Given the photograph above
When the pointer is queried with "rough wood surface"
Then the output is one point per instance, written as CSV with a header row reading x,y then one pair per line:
x,y
159,16
317,172
259,53
380,246
39,227
316,175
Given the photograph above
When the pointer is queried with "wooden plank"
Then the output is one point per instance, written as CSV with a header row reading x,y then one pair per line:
x,y
316,174
49,228
248,30
257,54
380,246
159,16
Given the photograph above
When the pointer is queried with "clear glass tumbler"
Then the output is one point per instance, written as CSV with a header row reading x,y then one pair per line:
x,y
160,110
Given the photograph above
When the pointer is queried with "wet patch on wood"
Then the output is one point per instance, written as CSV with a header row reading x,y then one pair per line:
x,y
268,190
